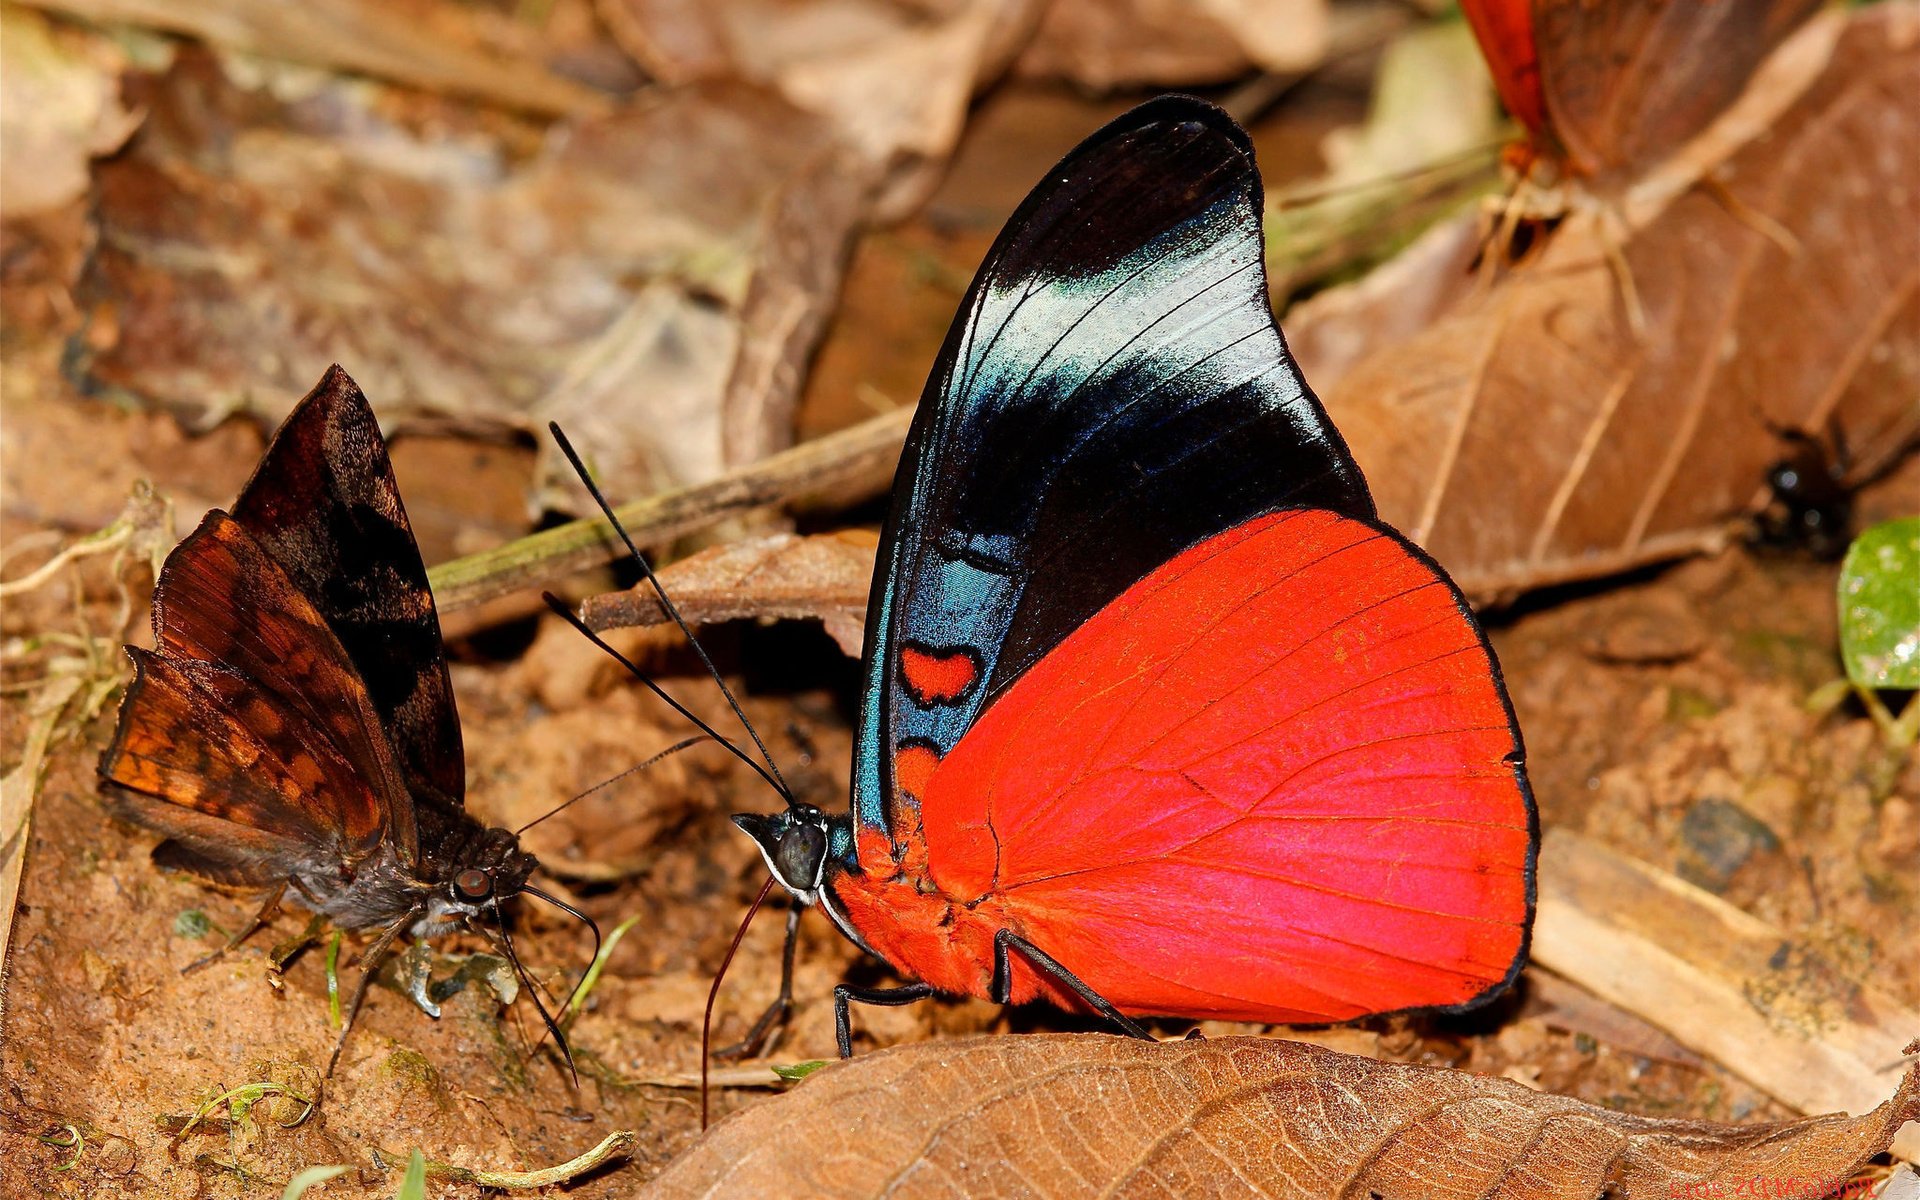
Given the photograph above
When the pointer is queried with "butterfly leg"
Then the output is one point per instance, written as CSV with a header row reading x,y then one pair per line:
x,y
844,995
369,964
1006,942
260,918
776,1014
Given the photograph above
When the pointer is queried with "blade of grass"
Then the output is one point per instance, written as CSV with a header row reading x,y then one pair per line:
x,y
298,1185
413,1185
596,966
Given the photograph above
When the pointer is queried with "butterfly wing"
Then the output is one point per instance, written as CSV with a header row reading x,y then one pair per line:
x,y
1628,83
245,788
323,505
1113,390
1504,30
1276,780
290,709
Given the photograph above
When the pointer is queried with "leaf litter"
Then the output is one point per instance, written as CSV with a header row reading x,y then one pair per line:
x,y
1661,733
648,278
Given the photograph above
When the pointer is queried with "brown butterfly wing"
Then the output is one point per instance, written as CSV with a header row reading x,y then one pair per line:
x,y
323,505
223,601
220,765
1628,81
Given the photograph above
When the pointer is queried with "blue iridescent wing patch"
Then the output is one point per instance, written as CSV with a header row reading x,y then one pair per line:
x,y
1114,389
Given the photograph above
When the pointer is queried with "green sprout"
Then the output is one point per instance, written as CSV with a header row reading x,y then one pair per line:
x,y
795,1072
67,1137
594,968
239,1104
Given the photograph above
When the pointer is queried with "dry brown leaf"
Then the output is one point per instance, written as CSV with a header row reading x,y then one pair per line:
x,y
894,79
777,577
653,280
1108,44
426,45
59,109
1527,433
1094,1115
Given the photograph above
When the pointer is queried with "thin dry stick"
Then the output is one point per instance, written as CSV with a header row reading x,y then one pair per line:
x,y
857,461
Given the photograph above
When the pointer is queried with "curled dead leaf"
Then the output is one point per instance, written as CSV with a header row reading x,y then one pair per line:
x,y
1095,1115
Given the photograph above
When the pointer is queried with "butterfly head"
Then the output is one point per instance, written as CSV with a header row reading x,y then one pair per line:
x,y
797,845
489,869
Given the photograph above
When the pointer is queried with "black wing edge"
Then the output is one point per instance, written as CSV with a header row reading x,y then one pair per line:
x,y
323,502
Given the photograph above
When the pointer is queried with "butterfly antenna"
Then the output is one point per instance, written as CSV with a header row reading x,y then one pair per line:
x,y
666,605
590,923
533,990
567,614
706,1019
669,752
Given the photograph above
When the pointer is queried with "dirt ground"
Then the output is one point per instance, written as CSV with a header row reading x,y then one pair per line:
x,y
1664,716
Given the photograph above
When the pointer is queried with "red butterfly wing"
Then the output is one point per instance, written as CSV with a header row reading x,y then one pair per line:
x,y
1275,780
1504,29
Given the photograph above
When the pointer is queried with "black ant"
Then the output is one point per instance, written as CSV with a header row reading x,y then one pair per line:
x,y
1811,509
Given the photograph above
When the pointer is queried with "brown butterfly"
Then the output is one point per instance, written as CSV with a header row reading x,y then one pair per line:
x,y
295,730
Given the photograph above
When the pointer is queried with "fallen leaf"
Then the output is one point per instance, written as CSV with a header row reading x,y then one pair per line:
x,y
1094,1115
653,279
436,47
1526,433
777,577
59,109
1110,44
893,79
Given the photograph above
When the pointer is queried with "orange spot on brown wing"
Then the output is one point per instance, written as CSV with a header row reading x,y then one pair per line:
x,y
938,676
283,676
187,737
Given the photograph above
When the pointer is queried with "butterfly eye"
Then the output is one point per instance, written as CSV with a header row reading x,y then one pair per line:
x,y
473,883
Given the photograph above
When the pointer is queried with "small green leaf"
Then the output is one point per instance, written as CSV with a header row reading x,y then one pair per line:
x,y
414,1185
599,963
191,923
1879,596
333,979
298,1185
798,1071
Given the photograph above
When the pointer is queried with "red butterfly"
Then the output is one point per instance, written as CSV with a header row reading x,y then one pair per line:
x,y
1159,719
